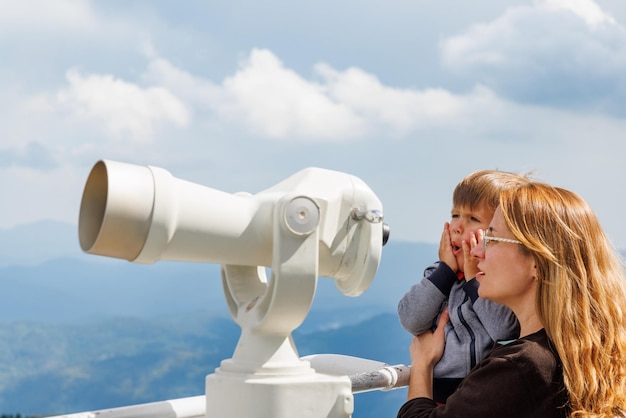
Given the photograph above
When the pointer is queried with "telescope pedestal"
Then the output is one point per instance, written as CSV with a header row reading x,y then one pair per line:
x,y
310,395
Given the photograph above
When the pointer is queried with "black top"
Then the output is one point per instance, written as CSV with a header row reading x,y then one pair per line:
x,y
521,379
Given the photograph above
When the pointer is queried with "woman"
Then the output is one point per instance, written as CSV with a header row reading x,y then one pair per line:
x,y
546,257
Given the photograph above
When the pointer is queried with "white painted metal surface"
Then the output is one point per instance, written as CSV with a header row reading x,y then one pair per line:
x,y
365,375
193,407
317,223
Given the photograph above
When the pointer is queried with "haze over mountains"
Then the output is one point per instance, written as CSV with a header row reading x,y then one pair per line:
x,y
83,332
80,332
45,276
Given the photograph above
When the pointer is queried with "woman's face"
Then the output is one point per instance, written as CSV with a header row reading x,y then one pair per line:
x,y
507,273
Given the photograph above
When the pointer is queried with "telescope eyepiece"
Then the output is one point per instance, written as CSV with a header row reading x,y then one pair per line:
x,y
385,234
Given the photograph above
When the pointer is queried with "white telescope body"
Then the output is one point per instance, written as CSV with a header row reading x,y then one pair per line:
x,y
144,214
315,223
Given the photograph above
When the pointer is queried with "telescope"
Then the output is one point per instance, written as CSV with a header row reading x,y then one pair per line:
x,y
316,223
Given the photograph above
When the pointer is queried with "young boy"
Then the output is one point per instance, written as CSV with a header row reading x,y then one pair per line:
x,y
475,323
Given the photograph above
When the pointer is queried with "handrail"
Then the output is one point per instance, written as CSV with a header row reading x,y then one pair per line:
x,y
365,375
193,407
387,378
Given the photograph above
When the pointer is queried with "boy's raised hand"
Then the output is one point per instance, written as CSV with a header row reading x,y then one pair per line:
x,y
470,263
445,249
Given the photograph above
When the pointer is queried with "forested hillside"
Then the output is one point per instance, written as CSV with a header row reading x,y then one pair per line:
x,y
81,333
60,369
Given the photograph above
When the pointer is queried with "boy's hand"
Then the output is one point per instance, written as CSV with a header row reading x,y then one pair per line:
x,y
445,249
470,264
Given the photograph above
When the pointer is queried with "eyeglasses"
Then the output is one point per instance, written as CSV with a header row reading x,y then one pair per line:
x,y
489,238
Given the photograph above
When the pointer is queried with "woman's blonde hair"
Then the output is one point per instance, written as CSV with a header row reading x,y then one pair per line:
x,y
581,293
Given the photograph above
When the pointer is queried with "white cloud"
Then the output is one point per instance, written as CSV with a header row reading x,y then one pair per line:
x,y
270,100
124,109
52,29
547,53
400,110
196,91
226,126
38,15
589,11
275,101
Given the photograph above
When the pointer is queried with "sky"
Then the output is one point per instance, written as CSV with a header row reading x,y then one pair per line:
x,y
408,95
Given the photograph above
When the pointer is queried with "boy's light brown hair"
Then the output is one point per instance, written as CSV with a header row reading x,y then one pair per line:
x,y
483,187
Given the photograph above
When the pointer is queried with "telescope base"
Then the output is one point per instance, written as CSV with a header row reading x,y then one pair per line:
x,y
311,395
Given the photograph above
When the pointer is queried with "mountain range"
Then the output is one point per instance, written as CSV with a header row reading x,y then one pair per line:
x,y
83,332
80,332
61,369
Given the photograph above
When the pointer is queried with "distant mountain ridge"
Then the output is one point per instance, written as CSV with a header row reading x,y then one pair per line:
x,y
34,243
68,285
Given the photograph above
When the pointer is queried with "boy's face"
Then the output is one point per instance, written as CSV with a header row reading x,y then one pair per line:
x,y
464,221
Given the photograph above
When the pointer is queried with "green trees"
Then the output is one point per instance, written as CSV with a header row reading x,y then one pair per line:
x,y
18,415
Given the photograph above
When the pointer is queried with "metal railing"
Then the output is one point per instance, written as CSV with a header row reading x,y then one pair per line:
x,y
365,375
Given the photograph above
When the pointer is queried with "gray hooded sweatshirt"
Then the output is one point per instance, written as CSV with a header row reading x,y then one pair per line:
x,y
475,323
